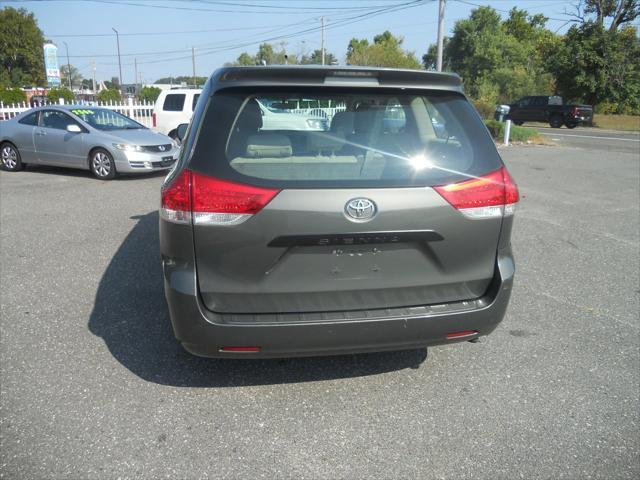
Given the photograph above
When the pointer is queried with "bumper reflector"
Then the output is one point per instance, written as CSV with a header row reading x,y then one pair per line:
x,y
466,333
240,349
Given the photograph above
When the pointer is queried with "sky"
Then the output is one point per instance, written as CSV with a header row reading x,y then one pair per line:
x,y
159,34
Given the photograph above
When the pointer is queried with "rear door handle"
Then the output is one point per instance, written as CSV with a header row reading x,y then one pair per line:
x,y
41,132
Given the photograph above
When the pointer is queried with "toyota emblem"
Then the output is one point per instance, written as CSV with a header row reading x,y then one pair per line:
x,y
360,210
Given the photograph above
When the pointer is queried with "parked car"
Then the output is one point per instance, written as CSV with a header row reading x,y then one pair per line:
x,y
176,106
547,109
359,238
88,138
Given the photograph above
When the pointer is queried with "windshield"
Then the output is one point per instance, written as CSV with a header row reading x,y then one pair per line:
x,y
104,119
343,138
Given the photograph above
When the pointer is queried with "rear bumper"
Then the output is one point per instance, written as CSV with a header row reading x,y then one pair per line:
x,y
204,333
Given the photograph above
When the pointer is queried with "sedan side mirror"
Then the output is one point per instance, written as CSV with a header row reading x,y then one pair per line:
x,y
73,128
181,131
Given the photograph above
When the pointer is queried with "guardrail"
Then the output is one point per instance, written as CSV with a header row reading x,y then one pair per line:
x,y
141,112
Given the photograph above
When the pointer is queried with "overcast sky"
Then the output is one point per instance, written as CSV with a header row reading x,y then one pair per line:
x,y
160,33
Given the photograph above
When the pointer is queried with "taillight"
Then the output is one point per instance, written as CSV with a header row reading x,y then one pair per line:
x,y
153,119
210,201
574,112
492,195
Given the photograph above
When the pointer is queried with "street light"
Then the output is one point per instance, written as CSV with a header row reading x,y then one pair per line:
x,y
119,63
68,67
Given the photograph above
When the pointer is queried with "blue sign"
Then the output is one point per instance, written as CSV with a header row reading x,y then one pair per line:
x,y
51,64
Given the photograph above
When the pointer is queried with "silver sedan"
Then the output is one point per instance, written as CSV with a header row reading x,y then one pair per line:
x,y
88,138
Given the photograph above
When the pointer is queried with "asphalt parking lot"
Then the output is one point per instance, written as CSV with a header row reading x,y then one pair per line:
x,y
94,386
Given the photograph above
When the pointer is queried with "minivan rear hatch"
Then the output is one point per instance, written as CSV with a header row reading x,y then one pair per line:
x,y
339,199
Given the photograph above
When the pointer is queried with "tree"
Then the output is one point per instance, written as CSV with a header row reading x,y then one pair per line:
x,y
430,59
599,66
620,12
187,79
109,95
267,55
149,94
56,93
12,95
386,51
76,76
21,55
316,58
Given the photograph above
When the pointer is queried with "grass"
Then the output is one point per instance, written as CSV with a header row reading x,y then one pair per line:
x,y
518,134
617,122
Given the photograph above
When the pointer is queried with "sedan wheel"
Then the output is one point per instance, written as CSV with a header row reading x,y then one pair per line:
x,y
10,158
102,165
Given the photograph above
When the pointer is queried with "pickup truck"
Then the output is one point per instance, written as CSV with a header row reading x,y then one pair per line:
x,y
546,109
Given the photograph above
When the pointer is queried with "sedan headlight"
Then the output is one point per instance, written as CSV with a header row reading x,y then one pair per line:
x,y
128,148
317,124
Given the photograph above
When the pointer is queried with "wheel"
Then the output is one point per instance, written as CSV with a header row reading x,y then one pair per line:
x,y
102,165
571,125
518,122
555,121
10,157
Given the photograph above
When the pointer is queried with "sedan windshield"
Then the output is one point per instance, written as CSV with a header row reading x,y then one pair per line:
x,y
104,119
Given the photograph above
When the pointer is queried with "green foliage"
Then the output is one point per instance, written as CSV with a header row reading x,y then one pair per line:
x,y
499,61
267,54
76,76
149,94
597,65
517,134
186,79
316,58
386,51
12,95
21,55
109,95
57,93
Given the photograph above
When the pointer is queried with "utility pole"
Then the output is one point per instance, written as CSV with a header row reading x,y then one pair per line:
x,y
193,64
440,35
119,62
135,78
322,42
94,77
68,67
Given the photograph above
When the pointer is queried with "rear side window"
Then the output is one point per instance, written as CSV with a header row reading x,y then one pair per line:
x,y
195,101
29,119
343,138
174,102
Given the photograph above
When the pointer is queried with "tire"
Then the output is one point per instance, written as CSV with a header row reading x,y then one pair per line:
x,y
555,121
518,122
571,125
10,159
102,165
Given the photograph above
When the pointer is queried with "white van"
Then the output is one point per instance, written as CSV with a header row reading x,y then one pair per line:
x,y
174,107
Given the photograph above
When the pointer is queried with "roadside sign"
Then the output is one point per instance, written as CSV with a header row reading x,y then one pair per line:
x,y
51,64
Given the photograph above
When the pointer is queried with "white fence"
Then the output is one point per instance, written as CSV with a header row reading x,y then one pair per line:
x,y
324,112
141,112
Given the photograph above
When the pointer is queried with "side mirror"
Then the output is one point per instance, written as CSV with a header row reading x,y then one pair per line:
x,y
181,131
73,128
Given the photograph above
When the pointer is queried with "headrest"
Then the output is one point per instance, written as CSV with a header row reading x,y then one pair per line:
x,y
268,145
250,119
325,141
342,122
364,120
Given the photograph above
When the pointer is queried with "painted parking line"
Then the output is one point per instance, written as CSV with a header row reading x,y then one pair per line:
x,y
591,136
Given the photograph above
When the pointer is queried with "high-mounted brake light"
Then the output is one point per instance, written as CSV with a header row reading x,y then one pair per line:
x,y
204,200
492,195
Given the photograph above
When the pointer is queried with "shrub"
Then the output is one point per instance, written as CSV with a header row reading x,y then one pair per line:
x,y
12,95
149,94
109,95
57,93
485,109
518,134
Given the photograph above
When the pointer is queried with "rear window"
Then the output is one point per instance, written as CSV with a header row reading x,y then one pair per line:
x,y
174,102
343,138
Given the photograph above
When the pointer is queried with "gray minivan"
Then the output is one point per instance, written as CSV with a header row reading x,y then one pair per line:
x,y
387,229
